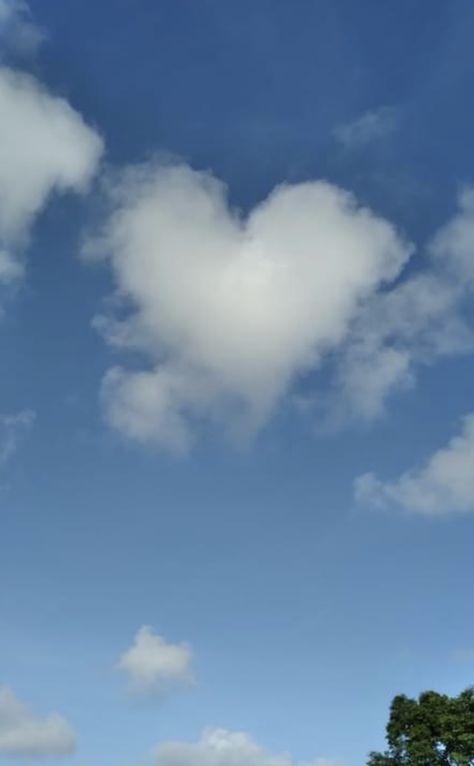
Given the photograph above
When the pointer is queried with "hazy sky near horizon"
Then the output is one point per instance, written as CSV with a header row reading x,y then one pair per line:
x,y
236,398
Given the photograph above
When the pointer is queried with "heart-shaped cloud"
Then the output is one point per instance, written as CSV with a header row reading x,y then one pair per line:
x,y
229,309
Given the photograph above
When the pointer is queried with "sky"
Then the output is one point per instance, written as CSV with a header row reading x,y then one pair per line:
x,y
237,355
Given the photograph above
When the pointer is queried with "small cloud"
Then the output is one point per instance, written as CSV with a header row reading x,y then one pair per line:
x,y
154,666
370,127
13,429
24,734
444,485
220,747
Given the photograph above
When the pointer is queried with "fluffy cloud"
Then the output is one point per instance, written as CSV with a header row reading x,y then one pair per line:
x,y
13,429
155,666
219,747
45,146
445,485
24,734
228,310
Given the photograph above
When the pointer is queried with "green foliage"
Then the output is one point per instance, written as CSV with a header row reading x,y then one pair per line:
x,y
435,730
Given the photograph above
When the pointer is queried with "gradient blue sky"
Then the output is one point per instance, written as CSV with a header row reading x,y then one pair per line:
x,y
306,606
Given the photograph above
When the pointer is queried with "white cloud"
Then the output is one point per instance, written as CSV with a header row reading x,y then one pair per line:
x,y
445,485
369,127
229,310
45,146
220,747
366,375
24,734
154,666
13,429
417,321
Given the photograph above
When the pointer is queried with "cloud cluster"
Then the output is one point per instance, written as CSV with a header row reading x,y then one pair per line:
x,y
154,666
228,310
220,747
420,320
45,146
222,313
445,485
24,734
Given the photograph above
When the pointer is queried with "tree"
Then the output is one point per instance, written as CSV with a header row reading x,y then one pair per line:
x,y
435,730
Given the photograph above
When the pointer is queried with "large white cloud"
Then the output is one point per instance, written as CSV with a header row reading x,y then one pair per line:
x,y
220,747
444,485
155,666
227,309
24,734
45,146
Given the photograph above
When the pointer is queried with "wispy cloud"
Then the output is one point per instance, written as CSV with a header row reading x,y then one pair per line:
x,y
419,320
443,486
18,32
13,429
369,128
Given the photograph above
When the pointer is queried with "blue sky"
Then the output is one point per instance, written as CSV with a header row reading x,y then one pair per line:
x,y
236,430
